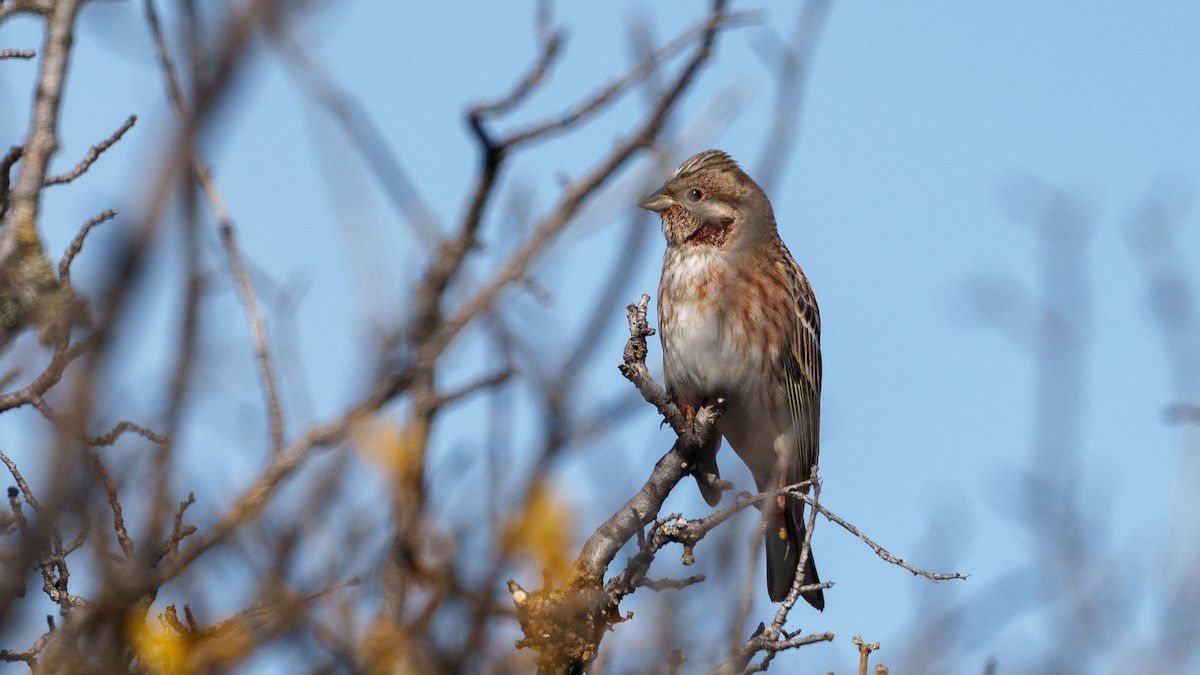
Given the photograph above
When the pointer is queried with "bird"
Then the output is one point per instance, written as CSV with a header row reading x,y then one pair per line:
x,y
739,321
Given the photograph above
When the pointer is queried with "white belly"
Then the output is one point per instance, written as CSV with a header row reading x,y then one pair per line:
x,y
702,360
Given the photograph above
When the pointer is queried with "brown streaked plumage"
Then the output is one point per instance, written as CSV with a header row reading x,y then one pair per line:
x,y
739,321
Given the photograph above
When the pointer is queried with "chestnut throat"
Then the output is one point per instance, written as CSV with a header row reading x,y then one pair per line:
x,y
711,234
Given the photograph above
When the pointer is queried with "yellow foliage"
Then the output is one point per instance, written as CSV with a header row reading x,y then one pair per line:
x,y
160,649
387,650
542,533
165,647
398,451
223,647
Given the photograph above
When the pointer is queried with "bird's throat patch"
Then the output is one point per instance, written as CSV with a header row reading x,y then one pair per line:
x,y
711,234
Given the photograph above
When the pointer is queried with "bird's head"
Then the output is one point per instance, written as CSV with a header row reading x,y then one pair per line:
x,y
710,202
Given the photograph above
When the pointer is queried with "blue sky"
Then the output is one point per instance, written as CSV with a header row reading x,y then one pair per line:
x,y
922,128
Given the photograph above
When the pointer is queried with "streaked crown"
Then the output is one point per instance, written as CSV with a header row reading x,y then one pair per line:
x,y
709,160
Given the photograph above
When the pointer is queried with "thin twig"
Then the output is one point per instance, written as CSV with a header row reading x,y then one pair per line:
x,y
665,584
64,265
609,94
879,550
258,331
92,155
250,504
59,360
482,384
23,486
550,42
179,531
791,66
17,53
102,440
574,194
114,503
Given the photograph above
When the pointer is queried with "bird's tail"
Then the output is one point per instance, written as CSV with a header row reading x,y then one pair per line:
x,y
784,538
708,477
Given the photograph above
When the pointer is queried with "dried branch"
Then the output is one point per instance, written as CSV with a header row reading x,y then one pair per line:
x,y
566,627
102,440
604,97
366,136
670,584
30,656
17,53
59,360
114,503
92,155
879,550
258,332
249,505
607,540
23,487
432,342
6,163
482,384
20,223
178,532
550,42
790,64
64,265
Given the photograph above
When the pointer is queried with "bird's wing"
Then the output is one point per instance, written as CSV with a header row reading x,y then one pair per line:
x,y
802,371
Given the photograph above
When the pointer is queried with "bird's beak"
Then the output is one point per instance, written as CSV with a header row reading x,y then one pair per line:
x,y
657,202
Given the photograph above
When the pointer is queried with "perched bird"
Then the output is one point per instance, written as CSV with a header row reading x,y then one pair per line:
x,y
739,321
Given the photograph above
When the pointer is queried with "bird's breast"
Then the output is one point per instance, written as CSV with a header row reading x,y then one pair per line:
x,y
705,353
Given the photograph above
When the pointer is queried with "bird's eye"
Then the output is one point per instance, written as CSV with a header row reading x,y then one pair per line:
x,y
695,195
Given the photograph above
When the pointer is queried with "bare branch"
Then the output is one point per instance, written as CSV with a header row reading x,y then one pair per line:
x,y
574,196
609,94
64,265
105,439
20,223
22,486
6,163
550,42
114,503
92,155
59,360
258,331
17,53
668,584
879,550
178,532
482,384
791,68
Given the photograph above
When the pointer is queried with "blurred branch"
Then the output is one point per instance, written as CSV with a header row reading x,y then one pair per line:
x,y
549,43
365,135
104,439
432,335
790,63
258,331
614,90
61,357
